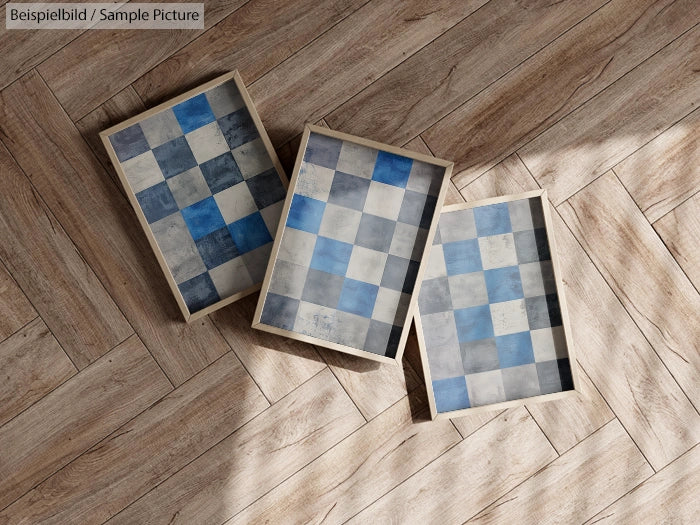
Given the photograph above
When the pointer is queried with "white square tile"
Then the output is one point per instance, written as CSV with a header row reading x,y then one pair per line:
x,y
509,317
440,329
340,223
314,181
296,246
142,171
497,251
526,214
235,202
271,216
358,160
384,200
288,279
207,142
231,277
252,158
425,178
485,388
436,263
315,320
468,289
537,278
457,226
391,306
366,265
405,240
549,343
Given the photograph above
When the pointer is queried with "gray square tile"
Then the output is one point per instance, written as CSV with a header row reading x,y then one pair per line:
x,y
288,279
468,289
161,128
391,306
375,233
434,296
271,216
445,362
340,223
322,288
406,242
189,187
382,338
417,209
498,251
252,158
457,226
436,263
178,248
322,150
224,99
425,178
356,160
549,376
440,329
543,311
485,388
348,191
521,382
479,356
531,246
231,277
400,274
526,214
279,311
350,329
256,261
537,278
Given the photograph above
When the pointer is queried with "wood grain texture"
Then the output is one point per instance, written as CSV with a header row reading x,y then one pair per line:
x,y
32,364
544,88
228,477
346,59
145,451
613,124
642,273
455,67
15,308
500,455
106,62
76,415
56,278
278,364
353,474
607,462
680,231
668,497
103,226
666,171
260,35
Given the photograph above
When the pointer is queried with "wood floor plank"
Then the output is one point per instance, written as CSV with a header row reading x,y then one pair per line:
x,y
77,414
15,308
107,61
619,120
228,477
32,364
146,450
354,473
260,35
670,496
103,226
557,79
278,364
455,67
607,462
666,171
499,455
680,231
347,58
47,266
643,274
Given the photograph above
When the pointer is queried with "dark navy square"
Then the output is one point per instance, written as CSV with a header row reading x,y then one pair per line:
x,y
474,323
348,191
392,169
375,233
503,284
157,202
515,349
462,257
266,188
492,219
382,338
400,274
221,172
305,213
532,246
451,394
249,232
203,218
331,256
358,297
217,248
279,311
174,157
129,142
238,128
194,113
199,292
322,150
543,311
417,209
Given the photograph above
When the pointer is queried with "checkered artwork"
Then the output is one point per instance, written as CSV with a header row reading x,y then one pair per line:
x,y
208,189
349,254
489,309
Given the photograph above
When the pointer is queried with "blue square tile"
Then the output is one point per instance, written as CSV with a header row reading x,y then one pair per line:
x,y
473,323
305,213
503,284
279,311
451,394
492,219
238,128
392,169
266,188
174,157
322,150
194,113
331,256
249,232
462,257
199,292
348,191
221,172
157,202
129,142
515,349
217,248
358,297
203,218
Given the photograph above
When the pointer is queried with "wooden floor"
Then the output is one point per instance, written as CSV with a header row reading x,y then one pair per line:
x,y
112,409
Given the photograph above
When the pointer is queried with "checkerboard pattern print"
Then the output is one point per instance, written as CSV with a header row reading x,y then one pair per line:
x,y
350,250
489,309
209,191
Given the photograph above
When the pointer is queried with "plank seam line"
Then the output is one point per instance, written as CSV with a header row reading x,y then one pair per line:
x,y
341,383
25,324
543,432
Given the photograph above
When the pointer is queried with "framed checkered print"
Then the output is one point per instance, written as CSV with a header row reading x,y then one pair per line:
x,y
208,189
356,227
492,323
